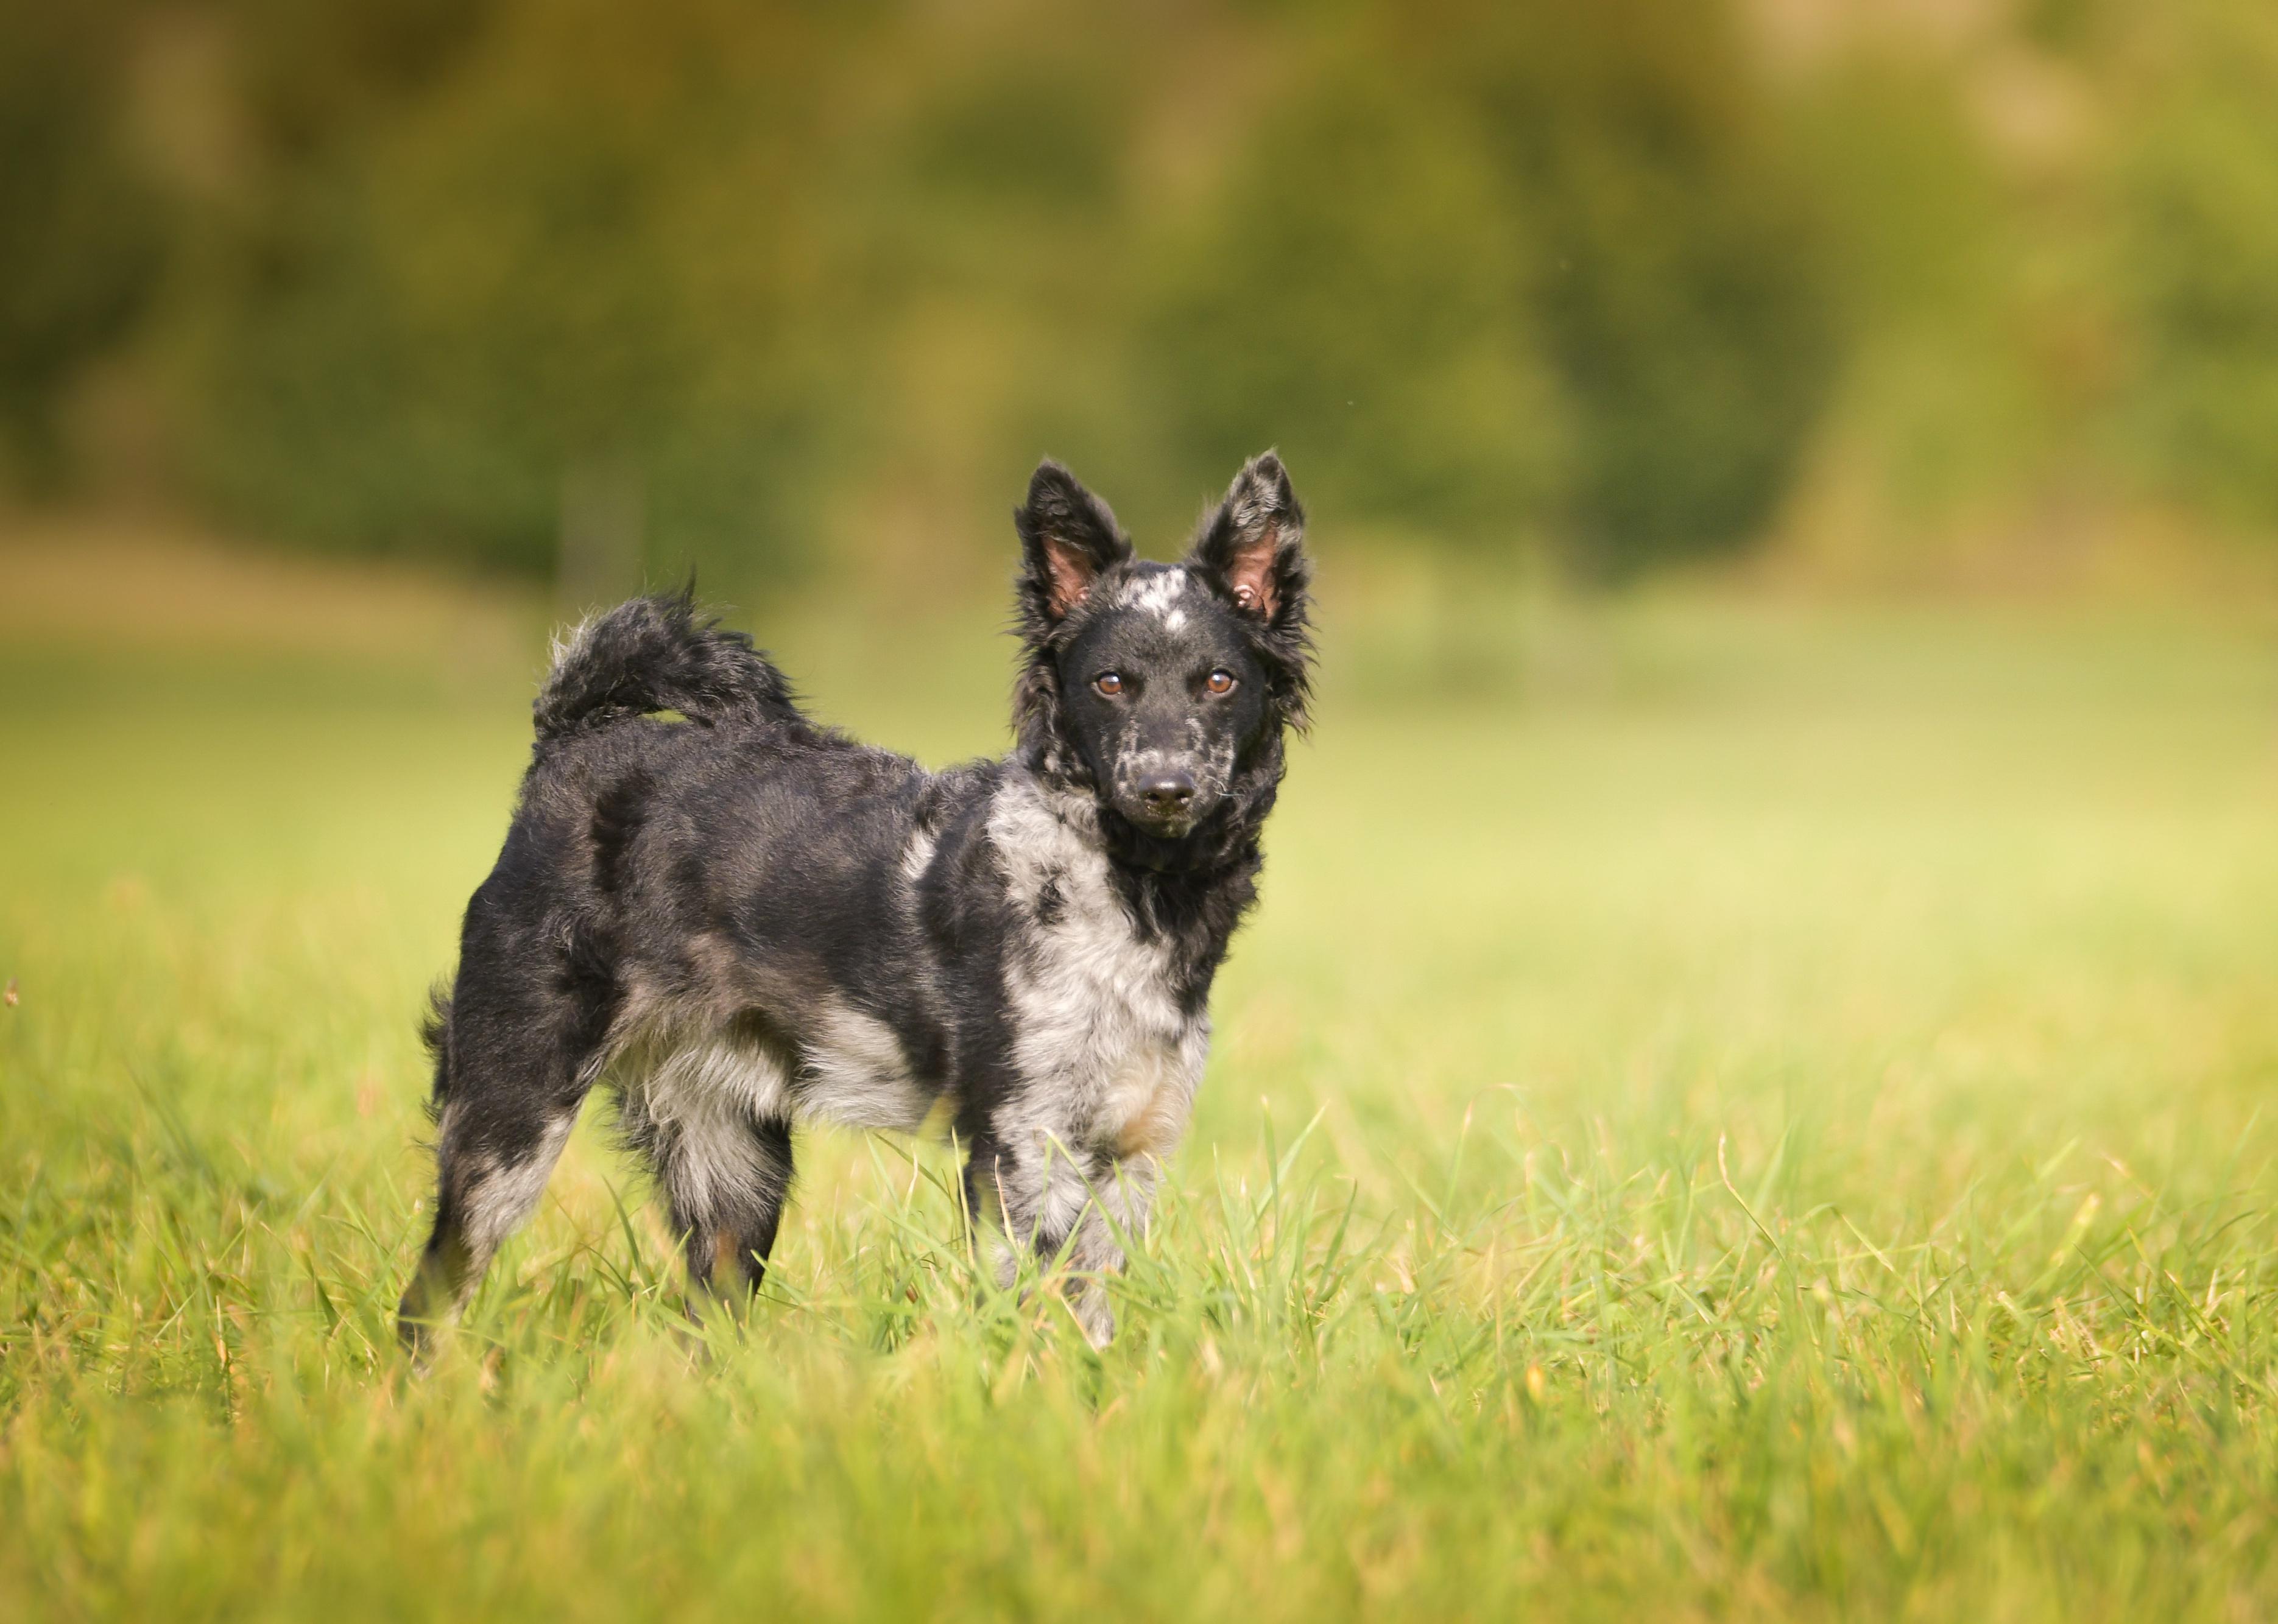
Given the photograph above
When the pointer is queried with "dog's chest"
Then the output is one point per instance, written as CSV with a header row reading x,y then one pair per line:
x,y
1107,1057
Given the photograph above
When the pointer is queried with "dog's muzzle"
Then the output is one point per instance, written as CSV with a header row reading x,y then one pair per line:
x,y
1161,801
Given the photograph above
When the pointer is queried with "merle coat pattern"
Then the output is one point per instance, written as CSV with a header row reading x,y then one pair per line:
x,y
740,921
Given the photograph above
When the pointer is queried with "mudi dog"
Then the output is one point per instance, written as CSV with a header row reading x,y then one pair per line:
x,y
740,921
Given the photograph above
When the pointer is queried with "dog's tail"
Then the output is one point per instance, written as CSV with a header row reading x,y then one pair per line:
x,y
656,654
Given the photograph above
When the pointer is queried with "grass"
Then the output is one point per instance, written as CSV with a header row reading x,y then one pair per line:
x,y
1725,1110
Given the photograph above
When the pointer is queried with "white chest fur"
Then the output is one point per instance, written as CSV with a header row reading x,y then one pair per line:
x,y
1108,1060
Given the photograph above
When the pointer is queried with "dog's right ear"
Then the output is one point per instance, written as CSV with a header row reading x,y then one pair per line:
x,y
1068,537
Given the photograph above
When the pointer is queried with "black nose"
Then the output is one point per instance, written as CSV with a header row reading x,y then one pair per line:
x,y
1168,792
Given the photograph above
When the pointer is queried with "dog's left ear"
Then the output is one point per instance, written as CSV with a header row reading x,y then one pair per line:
x,y
1253,546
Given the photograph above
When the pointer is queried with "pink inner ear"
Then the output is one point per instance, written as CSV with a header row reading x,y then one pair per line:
x,y
1071,576
1250,576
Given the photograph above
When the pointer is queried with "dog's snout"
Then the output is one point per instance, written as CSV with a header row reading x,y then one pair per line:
x,y
1168,792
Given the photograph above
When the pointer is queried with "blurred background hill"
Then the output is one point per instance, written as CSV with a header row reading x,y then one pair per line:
x,y
1903,294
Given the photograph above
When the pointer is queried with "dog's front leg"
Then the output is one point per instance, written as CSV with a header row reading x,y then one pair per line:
x,y
1036,1193
1121,1192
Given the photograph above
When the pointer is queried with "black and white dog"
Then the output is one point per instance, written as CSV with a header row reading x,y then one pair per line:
x,y
743,921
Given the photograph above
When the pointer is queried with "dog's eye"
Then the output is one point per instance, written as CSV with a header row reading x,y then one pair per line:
x,y
1220,681
1109,683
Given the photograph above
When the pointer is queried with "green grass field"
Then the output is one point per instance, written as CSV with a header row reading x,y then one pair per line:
x,y
1725,1110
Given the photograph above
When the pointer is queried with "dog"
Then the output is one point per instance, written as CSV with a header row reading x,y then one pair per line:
x,y
741,921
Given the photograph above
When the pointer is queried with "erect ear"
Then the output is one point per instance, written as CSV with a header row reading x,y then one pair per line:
x,y
1254,544
1067,536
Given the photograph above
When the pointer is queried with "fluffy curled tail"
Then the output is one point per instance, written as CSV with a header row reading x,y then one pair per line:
x,y
656,654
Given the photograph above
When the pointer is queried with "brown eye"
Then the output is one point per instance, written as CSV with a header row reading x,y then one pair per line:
x,y
1220,682
1109,683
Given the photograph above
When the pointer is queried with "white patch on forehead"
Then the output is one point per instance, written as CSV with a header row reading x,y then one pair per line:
x,y
1159,595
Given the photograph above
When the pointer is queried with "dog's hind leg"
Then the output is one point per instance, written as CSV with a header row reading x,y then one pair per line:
x,y
509,1096
730,1212
712,1119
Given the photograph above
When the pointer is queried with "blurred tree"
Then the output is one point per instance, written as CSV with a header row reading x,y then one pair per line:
x,y
1510,266
1355,293
81,235
1937,405
1682,276
2197,188
310,76
568,253
738,281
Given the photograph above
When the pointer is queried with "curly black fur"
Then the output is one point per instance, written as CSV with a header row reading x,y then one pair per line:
x,y
657,654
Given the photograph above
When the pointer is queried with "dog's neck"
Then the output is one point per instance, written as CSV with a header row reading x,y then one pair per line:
x,y
1187,895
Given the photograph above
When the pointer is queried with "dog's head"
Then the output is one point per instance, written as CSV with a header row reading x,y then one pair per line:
x,y
1163,686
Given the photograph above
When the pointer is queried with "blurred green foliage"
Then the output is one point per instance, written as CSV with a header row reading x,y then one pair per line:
x,y
2197,186
1493,265
780,279
80,234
